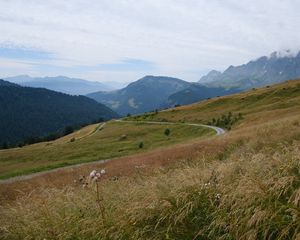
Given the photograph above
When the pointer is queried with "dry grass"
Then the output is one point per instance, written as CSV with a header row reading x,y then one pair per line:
x,y
249,190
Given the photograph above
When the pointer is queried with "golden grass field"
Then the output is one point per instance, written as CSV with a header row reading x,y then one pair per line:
x,y
244,184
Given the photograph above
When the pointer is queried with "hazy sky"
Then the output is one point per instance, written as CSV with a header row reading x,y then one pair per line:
x,y
123,40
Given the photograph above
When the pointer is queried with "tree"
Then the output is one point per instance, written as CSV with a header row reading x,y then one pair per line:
x,y
167,131
101,120
4,145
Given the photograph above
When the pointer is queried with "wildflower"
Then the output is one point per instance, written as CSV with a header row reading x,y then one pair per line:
x,y
98,175
218,196
93,173
102,171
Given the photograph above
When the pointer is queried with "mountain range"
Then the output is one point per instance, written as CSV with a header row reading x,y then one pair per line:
x,y
155,92
266,70
73,86
36,112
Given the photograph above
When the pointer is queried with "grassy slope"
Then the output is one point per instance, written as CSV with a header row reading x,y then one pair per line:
x,y
257,106
89,147
243,185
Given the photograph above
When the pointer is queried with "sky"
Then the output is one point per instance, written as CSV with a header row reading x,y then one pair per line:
x,y
124,40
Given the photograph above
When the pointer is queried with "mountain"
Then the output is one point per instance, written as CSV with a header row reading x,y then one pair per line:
x,y
146,94
197,92
36,112
211,76
6,83
278,67
62,84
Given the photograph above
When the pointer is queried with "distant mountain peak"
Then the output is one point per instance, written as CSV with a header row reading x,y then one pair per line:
x,y
145,94
210,76
284,54
277,67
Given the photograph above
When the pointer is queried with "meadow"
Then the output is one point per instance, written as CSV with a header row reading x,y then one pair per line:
x,y
114,139
244,184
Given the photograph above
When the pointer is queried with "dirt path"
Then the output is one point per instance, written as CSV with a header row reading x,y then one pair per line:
x,y
97,129
218,130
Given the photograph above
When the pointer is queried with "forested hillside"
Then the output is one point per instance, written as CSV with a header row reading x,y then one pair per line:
x,y
36,112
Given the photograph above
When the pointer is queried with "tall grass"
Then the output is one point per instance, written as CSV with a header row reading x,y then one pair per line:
x,y
251,191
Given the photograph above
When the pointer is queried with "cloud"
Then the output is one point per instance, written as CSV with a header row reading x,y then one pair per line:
x,y
129,39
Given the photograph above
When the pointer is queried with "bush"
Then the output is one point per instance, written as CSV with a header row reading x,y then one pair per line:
x,y
167,132
123,137
226,121
141,145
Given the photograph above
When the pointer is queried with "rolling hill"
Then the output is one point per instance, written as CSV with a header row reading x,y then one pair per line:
x,y
256,106
73,86
35,112
277,67
195,93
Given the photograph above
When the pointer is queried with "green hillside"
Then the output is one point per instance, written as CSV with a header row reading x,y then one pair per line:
x,y
256,106
102,143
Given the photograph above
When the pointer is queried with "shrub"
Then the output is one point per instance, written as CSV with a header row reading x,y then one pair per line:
x,y
123,137
141,145
167,132
226,120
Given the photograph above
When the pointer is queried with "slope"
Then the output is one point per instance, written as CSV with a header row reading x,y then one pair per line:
x,y
256,106
197,92
94,143
36,112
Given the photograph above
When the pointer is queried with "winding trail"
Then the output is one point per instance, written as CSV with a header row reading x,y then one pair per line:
x,y
219,131
97,129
